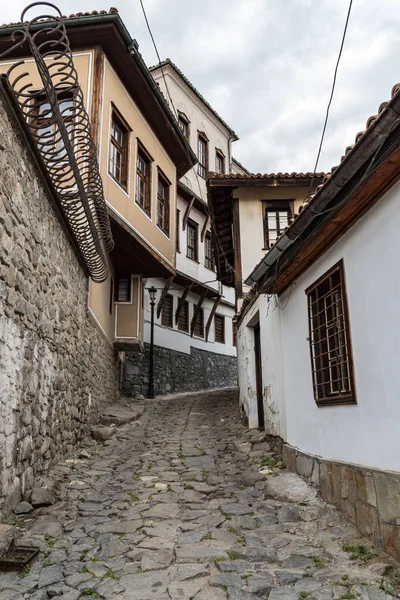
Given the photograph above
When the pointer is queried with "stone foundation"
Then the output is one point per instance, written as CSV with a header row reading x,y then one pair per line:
x,y
177,371
56,367
369,498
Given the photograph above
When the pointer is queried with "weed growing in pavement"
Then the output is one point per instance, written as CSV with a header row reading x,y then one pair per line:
x,y
235,555
90,592
305,594
133,497
358,552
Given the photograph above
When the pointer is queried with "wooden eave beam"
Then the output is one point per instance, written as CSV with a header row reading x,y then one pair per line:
x,y
284,182
181,301
196,311
205,228
302,254
187,213
212,313
163,295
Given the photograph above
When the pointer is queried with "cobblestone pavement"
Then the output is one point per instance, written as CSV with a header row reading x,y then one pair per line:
x,y
174,507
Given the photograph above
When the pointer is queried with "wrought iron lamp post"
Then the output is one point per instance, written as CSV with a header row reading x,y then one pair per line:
x,y
152,293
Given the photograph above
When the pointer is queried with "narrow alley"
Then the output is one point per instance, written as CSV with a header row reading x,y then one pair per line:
x,y
174,507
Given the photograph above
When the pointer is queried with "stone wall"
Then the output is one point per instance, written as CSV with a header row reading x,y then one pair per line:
x,y
56,367
368,498
177,371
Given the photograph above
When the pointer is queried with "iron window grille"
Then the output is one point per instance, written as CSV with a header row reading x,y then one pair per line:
x,y
163,204
202,155
167,311
199,324
330,344
219,162
276,219
124,289
183,319
192,240
143,180
119,145
219,325
208,253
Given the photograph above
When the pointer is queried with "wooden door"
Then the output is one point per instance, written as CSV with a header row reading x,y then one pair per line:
x,y
259,386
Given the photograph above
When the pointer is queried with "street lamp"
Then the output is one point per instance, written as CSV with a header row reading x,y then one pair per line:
x,y
152,293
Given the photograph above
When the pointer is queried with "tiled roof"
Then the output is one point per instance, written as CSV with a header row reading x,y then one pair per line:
x,y
266,175
169,62
72,16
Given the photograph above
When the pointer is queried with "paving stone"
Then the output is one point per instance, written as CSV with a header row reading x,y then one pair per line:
x,y
50,575
23,508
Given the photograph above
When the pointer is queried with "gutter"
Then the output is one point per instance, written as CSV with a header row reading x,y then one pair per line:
x,y
364,150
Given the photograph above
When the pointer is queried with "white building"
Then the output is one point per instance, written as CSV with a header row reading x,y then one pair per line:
x,y
318,335
194,333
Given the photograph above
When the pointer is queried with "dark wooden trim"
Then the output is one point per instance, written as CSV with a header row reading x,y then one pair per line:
x,y
237,248
181,301
196,312
97,91
212,313
187,213
163,295
205,228
262,182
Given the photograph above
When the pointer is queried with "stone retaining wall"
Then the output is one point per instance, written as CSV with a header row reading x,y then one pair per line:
x,y
56,367
177,371
369,498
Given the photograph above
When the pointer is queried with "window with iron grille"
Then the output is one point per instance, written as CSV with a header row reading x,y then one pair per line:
x,y
219,162
183,123
202,155
330,345
163,203
119,140
192,240
199,324
183,319
143,180
167,311
208,253
124,289
276,219
219,325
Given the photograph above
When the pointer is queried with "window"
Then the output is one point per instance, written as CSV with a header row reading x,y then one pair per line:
x,y
276,218
178,230
192,240
199,324
119,141
167,311
208,252
183,123
143,180
219,162
219,324
183,319
234,333
124,289
330,346
163,203
202,155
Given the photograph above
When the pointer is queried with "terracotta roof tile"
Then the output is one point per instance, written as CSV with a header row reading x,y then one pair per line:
x,y
72,16
265,175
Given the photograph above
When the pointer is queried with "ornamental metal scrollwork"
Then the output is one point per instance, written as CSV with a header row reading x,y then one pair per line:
x,y
59,126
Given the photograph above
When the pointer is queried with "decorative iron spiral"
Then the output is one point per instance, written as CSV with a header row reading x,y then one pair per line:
x,y
59,125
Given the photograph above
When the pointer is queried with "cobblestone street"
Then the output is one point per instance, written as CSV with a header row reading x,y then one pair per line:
x,y
174,507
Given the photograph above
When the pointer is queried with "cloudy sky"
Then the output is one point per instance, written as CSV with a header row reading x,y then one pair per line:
x,y
267,66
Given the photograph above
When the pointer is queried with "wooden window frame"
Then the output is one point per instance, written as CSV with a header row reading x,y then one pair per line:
x,y
330,352
178,230
163,218
167,314
144,177
123,149
185,129
183,319
200,317
219,156
221,340
276,207
202,165
208,258
192,226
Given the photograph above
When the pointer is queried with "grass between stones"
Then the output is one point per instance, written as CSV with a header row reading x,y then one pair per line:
x,y
358,552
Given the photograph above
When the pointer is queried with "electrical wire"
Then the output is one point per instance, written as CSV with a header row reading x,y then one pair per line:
x,y
332,92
